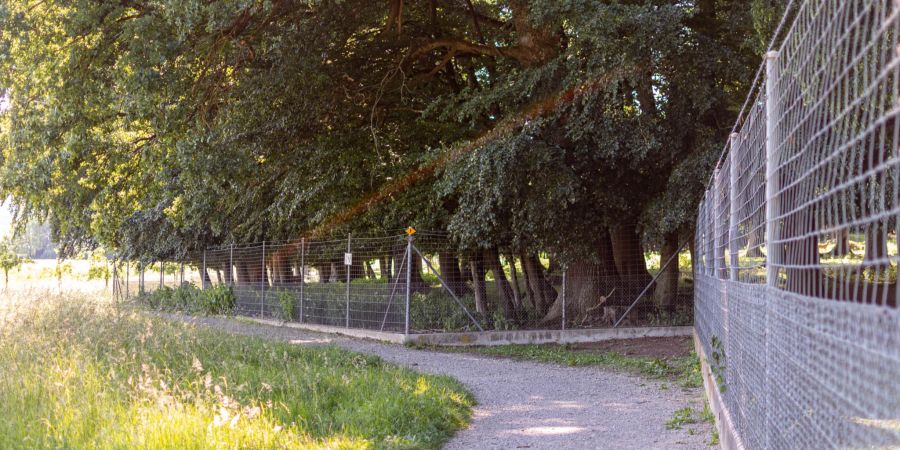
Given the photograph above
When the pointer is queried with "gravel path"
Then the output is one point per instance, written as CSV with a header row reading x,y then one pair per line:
x,y
532,405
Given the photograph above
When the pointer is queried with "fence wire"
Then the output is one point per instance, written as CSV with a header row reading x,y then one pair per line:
x,y
428,284
796,281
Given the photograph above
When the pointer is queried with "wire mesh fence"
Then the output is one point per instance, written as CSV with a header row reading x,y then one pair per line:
x,y
797,239
425,283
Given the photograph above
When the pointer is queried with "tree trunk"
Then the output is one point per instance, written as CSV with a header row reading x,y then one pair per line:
x,y
417,283
590,285
754,245
667,284
449,262
504,291
628,253
876,247
228,271
324,271
514,279
842,243
801,256
370,273
476,267
540,290
384,267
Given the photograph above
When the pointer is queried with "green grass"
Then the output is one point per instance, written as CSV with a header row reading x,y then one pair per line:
x,y
685,371
77,374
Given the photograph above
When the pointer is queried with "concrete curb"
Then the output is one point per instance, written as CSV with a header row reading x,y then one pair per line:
x,y
393,338
729,439
488,338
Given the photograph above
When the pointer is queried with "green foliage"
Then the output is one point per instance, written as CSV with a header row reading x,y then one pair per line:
x,y
9,260
436,310
681,417
188,298
717,362
99,266
102,378
118,113
286,300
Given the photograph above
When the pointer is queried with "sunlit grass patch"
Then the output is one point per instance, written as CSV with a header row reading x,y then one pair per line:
x,y
77,374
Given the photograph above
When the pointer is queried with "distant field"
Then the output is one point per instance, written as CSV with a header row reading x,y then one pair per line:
x,y
79,373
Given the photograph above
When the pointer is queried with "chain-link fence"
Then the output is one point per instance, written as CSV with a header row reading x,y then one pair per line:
x,y
797,238
425,283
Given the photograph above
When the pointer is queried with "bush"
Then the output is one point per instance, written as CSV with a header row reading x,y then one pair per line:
x,y
188,298
286,299
435,309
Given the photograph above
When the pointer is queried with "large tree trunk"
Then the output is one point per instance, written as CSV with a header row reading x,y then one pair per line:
x,y
449,266
282,271
590,286
754,245
667,284
628,253
476,267
540,291
324,271
514,280
801,254
417,283
842,243
876,247
229,274
244,273
504,291
384,267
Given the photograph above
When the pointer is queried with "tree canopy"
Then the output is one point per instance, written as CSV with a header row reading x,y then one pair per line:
x,y
157,127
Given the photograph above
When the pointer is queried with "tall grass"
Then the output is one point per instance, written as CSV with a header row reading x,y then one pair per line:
x,y
78,374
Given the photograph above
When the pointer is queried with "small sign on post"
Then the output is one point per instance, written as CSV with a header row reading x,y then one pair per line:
x,y
348,259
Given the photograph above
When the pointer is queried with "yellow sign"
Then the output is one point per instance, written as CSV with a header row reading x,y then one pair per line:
x,y
410,231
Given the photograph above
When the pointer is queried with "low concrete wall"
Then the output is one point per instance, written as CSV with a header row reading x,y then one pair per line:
x,y
487,338
394,338
728,436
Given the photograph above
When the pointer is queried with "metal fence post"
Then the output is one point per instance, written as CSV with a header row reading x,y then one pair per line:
x,y
231,263
564,276
262,283
409,265
203,272
733,247
773,253
773,250
348,266
302,273
718,262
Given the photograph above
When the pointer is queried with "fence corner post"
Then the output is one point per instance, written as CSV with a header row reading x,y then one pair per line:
x,y
409,266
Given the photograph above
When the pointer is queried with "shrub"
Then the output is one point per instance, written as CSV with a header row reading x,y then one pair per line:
x,y
188,298
286,299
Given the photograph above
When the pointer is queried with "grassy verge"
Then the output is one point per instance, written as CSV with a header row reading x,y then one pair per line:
x,y
75,374
685,371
